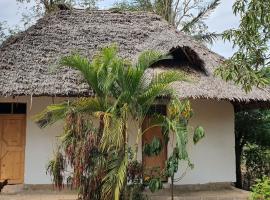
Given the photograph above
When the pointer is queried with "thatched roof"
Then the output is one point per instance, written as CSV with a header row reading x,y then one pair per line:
x,y
27,60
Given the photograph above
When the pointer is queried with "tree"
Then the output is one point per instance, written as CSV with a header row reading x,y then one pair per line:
x,y
251,127
2,32
38,10
98,153
47,6
42,7
184,15
249,65
179,114
6,31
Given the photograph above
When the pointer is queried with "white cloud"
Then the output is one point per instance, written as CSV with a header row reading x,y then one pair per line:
x,y
220,20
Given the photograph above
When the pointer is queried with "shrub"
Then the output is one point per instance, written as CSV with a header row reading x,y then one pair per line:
x,y
257,164
135,192
135,187
261,190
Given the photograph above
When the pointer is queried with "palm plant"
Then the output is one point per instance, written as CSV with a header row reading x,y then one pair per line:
x,y
98,153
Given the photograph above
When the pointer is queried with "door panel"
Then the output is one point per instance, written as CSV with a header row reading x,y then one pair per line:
x,y
12,132
12,145
153,162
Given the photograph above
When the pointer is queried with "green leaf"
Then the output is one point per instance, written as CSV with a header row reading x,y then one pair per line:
x,y
199,133
154,148
155,184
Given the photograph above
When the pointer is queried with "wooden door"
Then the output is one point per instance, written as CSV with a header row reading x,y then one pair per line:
x,y
153,163
12,145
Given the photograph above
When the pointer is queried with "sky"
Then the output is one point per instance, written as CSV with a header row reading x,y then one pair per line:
x,y
221,19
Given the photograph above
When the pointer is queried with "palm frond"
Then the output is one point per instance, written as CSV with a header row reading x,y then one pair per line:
x,y
88,105
209,38
101,72
147,58
56,112
82,64
203,13
160,86
112,137
51,114
131,79
120,177
115,176
129,82
76,61
151,93
169,77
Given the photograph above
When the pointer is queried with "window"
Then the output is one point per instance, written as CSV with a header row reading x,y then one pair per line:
x,y
12,108
157,109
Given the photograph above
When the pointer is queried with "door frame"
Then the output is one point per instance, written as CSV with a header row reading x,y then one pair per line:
x,y
145,126
22,117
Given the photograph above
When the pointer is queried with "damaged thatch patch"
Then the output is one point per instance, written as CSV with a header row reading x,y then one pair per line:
x,y
182,58
26,59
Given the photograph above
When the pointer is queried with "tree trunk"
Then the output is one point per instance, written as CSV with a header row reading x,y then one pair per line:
x,y
172,187
238,154
100,128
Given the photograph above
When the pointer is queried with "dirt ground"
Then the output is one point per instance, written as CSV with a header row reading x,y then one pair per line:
x,y
224,194
221,194
46,195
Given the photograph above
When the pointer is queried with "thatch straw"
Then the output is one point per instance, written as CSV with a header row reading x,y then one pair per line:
x,y
27,60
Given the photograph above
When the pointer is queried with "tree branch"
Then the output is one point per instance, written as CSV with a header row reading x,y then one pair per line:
x,y
202,14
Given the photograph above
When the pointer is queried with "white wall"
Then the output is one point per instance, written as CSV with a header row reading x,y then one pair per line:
x,y
213,157
40,143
